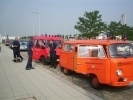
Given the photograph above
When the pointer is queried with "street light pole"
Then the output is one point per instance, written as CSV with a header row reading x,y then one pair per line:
x,y
39,22
38,19
33,31
5,29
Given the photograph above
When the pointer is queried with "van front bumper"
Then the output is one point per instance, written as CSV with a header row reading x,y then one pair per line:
x,y
127,83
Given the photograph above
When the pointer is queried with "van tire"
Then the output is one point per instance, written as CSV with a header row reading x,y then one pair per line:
x,y
95,82
61,69
66,71
43,60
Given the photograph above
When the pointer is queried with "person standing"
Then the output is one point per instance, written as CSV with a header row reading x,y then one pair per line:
x,y
30,52
16,51
0,47
52,47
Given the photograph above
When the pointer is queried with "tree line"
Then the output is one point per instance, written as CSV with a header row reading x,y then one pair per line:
x,y
91,25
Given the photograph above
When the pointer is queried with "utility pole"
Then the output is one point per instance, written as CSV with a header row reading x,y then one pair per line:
x,y
38,20
5,29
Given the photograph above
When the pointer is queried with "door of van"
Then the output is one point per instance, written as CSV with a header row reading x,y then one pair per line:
x,y
67,56
37,50
81,58
100,64
92,59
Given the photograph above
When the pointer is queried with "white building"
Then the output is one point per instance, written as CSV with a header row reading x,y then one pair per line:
x,y
10,37
102,36
123,19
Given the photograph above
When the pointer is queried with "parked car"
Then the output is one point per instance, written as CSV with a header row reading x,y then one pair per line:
x,y
23,46
0,47
7,42
41,50
11,44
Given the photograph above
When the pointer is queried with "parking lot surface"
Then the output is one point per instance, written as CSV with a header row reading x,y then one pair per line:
x,y
16,83
106,93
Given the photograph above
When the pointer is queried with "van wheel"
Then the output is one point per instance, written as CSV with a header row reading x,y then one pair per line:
x,y
95,82
61,69
43,60
66,71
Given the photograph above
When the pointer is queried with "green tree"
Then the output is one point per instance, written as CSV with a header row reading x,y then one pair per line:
x,y
66,37
116,28
63,36
130,35
113,28
90,25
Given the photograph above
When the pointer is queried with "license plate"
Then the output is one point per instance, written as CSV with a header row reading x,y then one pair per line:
x,y
57,59
131,83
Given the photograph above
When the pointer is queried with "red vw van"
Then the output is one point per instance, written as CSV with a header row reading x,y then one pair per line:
x,y
41,50
104,61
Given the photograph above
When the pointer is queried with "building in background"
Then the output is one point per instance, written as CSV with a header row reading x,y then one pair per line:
x,y
3,38
123,19
102,36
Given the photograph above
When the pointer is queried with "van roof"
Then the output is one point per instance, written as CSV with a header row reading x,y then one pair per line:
x,y
46,38
103,42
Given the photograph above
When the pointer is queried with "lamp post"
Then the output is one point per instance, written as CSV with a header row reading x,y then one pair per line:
x,y
38,19
5,29
33,31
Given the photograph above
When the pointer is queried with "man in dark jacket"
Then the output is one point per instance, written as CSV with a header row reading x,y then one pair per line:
x,y
52,47
30,52
16,51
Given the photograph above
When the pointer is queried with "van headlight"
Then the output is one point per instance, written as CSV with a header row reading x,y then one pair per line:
x,y
119,72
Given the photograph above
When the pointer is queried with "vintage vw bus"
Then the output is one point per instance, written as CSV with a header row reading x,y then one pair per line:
x,y
104,61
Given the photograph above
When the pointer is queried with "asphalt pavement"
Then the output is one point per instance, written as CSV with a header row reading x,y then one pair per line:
x,y
16,83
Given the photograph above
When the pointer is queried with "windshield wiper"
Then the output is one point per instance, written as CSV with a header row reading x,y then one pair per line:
x,y
125,57
116,54
119,55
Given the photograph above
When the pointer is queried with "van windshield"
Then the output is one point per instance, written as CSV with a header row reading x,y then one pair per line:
x,y
121,50
58,42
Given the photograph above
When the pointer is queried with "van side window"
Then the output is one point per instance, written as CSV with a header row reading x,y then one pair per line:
x,y
83,51
101,52
97,51
37,44
94,52
90,51
68,47
42,44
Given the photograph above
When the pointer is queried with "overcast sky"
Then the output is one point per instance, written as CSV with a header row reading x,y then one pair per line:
x,y
56,16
